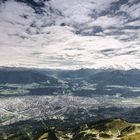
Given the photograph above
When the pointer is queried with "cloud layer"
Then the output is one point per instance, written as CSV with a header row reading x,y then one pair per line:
x,y
70,34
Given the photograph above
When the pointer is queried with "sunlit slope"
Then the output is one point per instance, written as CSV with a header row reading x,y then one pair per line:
x,y
112,129
115,129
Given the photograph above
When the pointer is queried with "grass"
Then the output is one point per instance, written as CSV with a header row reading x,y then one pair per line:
x,y
135,136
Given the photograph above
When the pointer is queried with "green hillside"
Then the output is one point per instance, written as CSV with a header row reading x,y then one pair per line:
x,y
111,129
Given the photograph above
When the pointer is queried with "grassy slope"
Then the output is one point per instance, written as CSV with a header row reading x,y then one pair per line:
x,y
114,129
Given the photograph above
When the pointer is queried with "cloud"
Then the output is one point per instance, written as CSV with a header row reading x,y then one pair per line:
x,y
133,11
70,34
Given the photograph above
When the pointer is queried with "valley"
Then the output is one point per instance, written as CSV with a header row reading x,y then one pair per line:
x,y
62,100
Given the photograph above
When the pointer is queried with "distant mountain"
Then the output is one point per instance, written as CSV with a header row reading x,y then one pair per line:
x,y
82,82
125,83
20,81
117,77
23,76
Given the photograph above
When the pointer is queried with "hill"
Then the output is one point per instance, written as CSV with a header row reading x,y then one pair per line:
x,y
111,129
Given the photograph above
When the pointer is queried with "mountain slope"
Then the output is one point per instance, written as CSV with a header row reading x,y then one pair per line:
x,y
113,129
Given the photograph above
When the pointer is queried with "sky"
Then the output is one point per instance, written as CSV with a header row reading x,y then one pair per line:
x,y
70,34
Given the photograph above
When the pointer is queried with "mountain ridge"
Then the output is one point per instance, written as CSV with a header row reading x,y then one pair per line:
x,y
109,129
